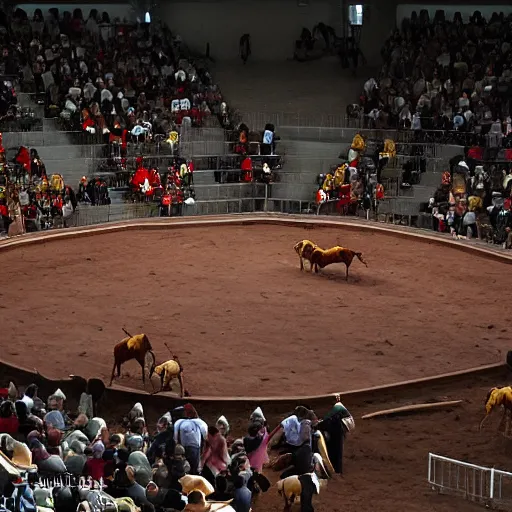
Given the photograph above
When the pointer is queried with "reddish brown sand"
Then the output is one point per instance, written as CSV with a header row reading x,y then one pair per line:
x,y
244,320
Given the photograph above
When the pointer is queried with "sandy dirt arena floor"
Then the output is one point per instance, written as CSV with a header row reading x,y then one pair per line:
x,y
233,304
245,321
386,460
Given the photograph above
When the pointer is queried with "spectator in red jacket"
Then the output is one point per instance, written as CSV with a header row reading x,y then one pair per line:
x,y
95,465
9,423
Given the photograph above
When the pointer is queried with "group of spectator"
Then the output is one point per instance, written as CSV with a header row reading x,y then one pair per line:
x,y
475,198
185,464
29,199
356,181
107,77
453,76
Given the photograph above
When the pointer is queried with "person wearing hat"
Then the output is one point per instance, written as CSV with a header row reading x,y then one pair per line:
x,y
75,458
143,470
335,425
256,441
94,467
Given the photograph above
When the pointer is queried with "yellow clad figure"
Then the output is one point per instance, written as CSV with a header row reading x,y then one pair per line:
x,y
358,143
173,139
44,184
389,150
57,182
168,371
475,203
328,183
339,175
499,397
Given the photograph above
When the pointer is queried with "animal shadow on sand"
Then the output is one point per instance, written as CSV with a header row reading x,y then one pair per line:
x,y
339,277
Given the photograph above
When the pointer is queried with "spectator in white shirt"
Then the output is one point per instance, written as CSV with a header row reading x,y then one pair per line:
x,y
191,433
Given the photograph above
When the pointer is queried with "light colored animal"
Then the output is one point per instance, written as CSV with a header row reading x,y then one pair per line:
x,y
497,397
21,456
290,489
321,258
191,483
134,347
304,249
197,503
168,371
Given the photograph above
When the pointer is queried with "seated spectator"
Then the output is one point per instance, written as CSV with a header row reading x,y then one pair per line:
x,y
425,84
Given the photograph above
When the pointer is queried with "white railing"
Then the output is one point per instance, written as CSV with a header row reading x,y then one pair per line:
x,y
488,486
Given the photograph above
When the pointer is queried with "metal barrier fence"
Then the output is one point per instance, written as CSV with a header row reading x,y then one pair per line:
x,y
258,120
488,486
90,215
310,125
201,163
231,191
226,206
398,206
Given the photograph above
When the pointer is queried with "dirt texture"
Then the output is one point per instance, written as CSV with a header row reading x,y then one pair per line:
x,y
233,304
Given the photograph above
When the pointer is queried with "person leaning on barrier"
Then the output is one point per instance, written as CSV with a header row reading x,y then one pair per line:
x,y
337,423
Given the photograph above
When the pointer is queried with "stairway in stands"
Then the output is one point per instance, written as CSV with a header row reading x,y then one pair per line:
x,y
303,162
57,149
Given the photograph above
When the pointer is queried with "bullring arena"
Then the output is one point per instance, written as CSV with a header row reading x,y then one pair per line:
x,y
250,328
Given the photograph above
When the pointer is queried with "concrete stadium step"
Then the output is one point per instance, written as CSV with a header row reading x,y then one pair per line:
x,y
431,178
229,191
337,135
420,192
204,177
201,148
295,191
305,178
311,148
314,165
71,170
391,172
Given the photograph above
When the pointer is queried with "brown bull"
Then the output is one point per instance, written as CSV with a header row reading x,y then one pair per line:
x,y
321,258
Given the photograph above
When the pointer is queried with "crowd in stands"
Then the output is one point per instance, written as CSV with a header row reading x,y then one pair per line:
x,y
185,464
446,75
30,200
356,182
107,77
474,198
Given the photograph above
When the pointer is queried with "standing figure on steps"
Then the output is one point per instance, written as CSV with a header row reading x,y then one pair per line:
x,y
245,47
